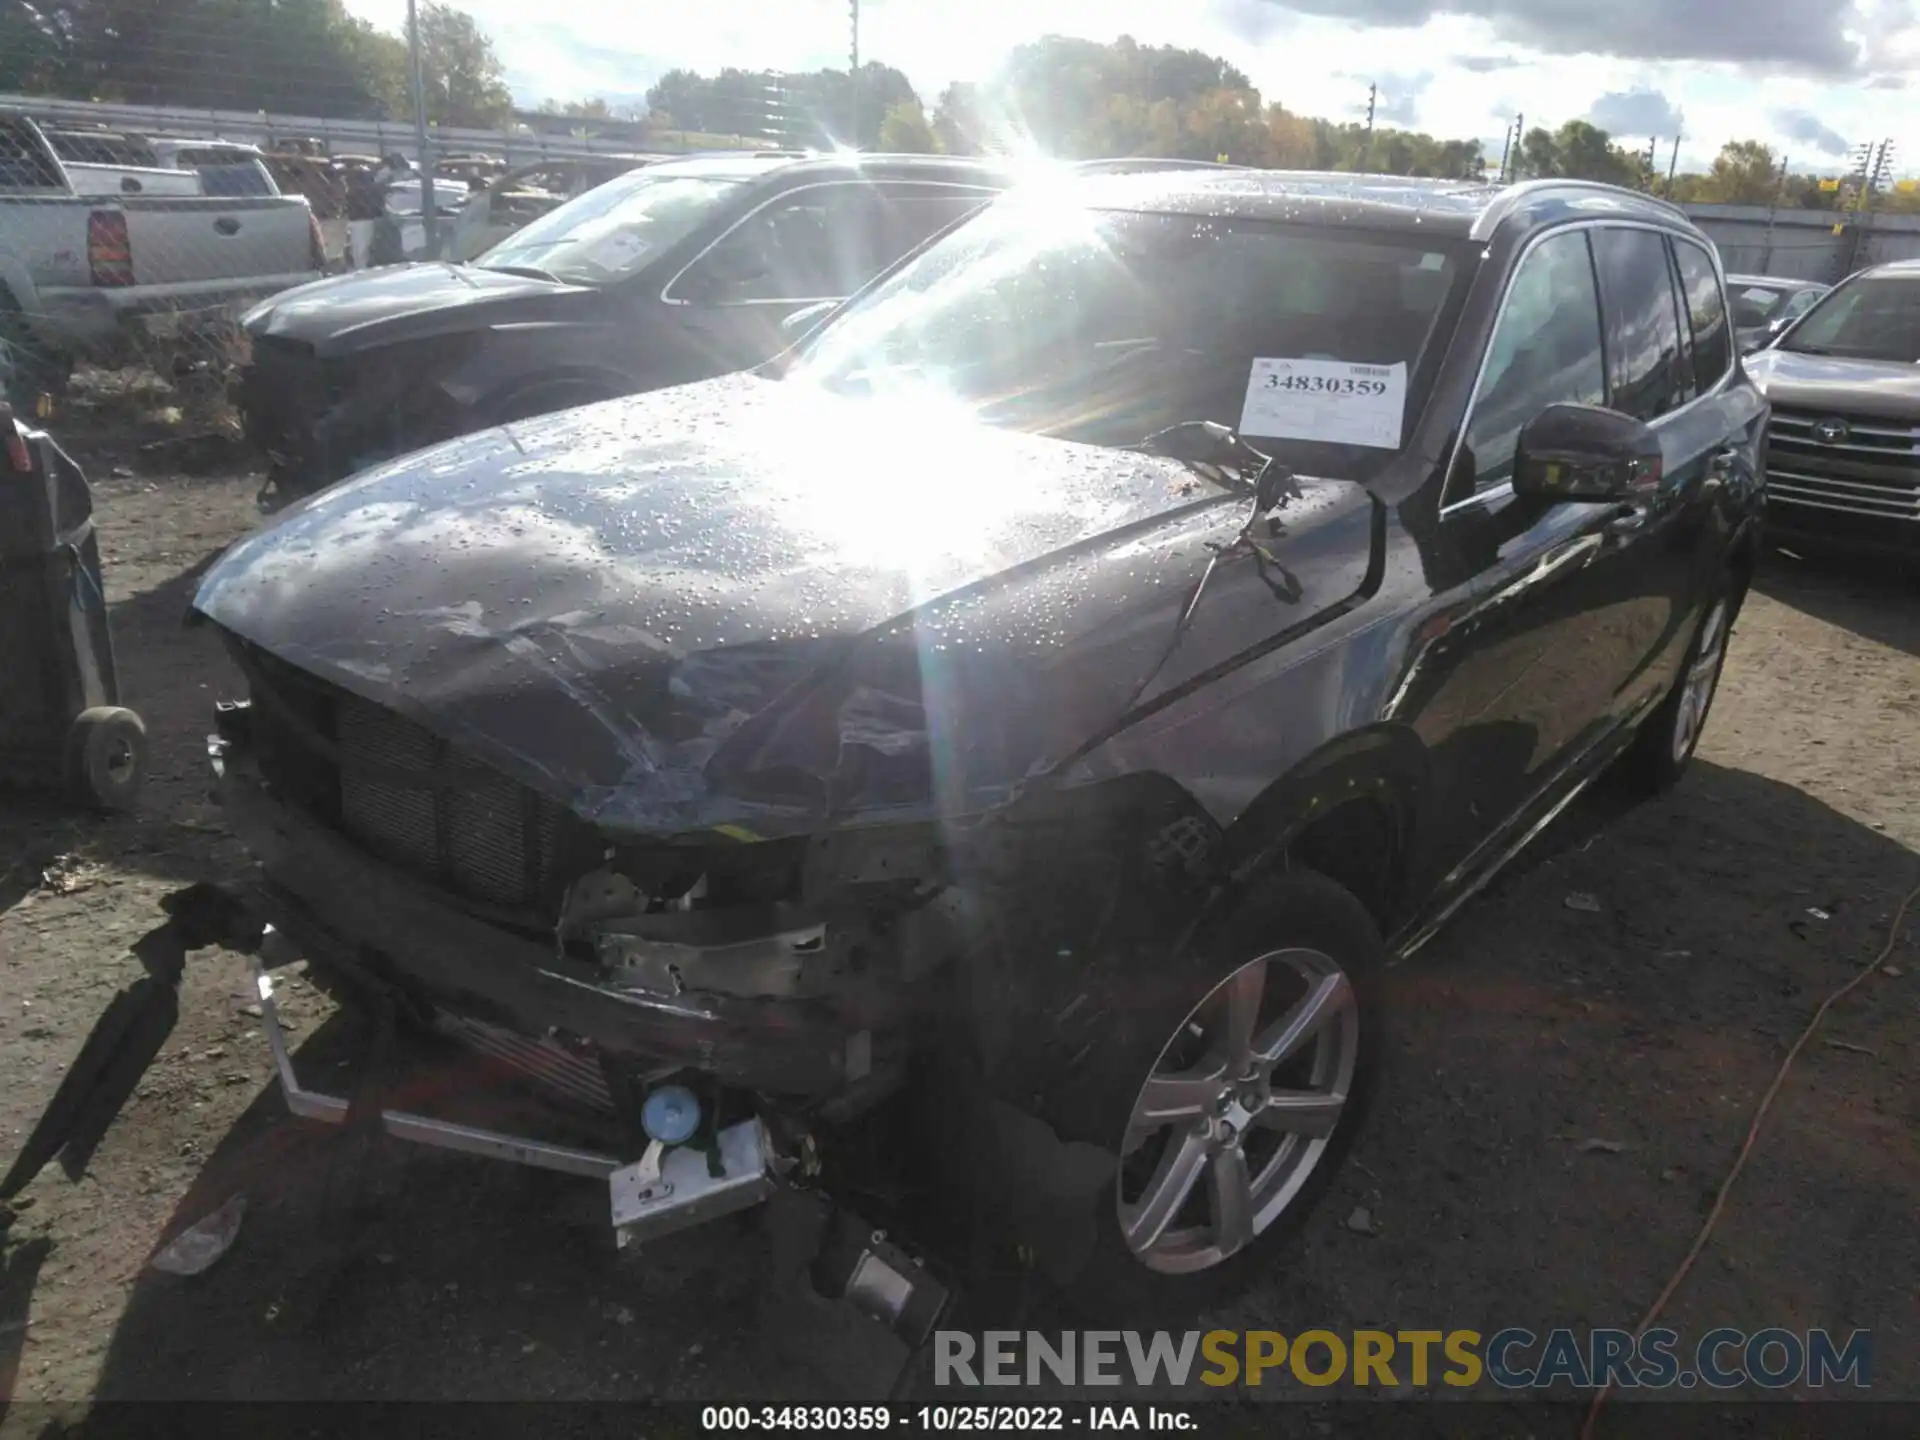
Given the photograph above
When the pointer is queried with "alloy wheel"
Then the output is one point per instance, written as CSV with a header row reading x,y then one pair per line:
x,y
1237,1110
1701,680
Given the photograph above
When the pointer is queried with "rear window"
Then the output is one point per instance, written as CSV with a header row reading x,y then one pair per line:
x,y
24,165
1756,305
249,177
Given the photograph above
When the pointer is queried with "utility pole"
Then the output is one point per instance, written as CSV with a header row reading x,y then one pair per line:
x,y
1513,146
853,77
1673,166
421,142
1773,207
1647,162
1373,94
1506,151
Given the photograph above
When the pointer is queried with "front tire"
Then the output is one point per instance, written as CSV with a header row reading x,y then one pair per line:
x,y
1661,751
1228,1095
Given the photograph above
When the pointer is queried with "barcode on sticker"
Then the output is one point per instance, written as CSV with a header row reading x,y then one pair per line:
x,y
1381,370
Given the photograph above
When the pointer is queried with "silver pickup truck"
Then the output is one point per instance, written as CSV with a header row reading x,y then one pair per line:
x,y
78,272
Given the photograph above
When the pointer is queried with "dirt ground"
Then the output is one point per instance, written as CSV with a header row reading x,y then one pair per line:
x,y
1528,1029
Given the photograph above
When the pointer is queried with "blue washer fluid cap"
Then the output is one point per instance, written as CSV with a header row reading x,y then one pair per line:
x,y
670,1115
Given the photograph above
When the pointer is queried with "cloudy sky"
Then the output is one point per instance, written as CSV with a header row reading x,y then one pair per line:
x,y
1809,77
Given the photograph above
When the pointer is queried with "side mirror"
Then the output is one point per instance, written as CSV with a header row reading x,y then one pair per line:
x,y
1584,452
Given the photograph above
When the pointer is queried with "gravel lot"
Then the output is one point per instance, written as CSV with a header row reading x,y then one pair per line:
x,y
1528,1029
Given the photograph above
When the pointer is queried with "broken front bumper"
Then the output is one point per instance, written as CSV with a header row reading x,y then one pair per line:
x,y
450,958
654,1196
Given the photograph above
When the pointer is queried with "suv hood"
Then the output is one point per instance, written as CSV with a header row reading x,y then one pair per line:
x,y
344,313
1888,389
744,602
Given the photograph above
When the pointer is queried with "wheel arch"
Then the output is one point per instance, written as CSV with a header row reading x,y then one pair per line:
x,y
1352,811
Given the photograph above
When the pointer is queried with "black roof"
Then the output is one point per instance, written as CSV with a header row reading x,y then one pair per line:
x,y
1458,208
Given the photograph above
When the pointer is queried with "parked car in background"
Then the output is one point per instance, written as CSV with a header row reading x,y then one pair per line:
x,y
1843,467
99,161
79,272
1044,703
1765,305
225,167
516,198
671,273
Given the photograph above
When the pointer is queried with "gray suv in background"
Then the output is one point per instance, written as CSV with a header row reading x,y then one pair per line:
x,y
1842,470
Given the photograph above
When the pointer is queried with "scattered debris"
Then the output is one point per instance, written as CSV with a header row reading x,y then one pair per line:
x,y
1580,900
252,1010
69,875
1676,954
1851,1048
1892,970
1603,1147
1817,913
196,1248
1360,1222
620,1315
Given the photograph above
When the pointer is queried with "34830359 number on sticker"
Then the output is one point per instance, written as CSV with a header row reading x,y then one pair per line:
x,y
1335,402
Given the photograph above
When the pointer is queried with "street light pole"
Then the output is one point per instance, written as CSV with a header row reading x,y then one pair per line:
x,y
421,143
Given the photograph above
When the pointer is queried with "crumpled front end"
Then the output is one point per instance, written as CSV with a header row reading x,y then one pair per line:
x,y
319,420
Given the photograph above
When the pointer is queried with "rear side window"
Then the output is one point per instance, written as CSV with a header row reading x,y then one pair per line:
x,y
1645,376
1706,314
908,214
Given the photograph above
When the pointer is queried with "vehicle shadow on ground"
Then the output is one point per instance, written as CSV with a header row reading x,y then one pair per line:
x,y
463,1278
1874,599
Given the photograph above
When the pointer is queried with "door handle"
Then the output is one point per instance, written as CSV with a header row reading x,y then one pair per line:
x,y
227,225
1625,522
1724,463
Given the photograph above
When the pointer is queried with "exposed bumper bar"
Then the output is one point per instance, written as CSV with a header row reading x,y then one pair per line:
x,y
650,1198
421,1129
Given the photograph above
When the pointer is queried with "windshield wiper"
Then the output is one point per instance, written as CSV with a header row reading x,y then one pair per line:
x,y
1216,452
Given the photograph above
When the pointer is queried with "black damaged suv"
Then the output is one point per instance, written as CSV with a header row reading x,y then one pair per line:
x,y
1039,705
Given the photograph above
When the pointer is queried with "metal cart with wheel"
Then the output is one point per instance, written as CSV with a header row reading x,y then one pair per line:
x,y
61,722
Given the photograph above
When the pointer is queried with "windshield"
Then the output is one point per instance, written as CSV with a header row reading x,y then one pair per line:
x,y
1103,326
1876,317
610,232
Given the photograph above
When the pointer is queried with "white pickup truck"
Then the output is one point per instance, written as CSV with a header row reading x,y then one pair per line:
x,y
79,272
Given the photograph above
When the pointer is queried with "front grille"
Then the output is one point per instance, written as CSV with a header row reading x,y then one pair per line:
x,y
411,798
1844,464
403,793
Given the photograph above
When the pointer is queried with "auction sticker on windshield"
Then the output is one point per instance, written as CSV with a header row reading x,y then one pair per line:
x,y
1336,402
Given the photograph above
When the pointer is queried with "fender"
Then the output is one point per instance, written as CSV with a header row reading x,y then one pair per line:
x,y
1384,764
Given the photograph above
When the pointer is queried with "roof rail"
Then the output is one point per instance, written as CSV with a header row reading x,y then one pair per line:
x,y
1510,199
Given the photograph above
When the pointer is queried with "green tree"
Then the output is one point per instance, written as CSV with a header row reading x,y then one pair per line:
x,y
1578,151
1743,173
460,74
906,130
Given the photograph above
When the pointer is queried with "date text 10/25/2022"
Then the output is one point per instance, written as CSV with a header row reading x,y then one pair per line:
x,y
979,1419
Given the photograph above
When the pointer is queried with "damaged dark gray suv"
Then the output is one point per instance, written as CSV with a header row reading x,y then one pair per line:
x,y
1021,722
